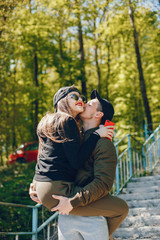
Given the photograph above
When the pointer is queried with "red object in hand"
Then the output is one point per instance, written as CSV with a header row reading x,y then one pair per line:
x,y
109,123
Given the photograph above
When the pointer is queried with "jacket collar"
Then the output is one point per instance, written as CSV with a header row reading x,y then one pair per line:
x,y
89,131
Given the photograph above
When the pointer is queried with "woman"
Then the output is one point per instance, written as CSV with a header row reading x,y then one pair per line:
x,y
61,153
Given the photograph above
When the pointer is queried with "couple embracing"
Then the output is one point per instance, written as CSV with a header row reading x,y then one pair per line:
x,y
75,169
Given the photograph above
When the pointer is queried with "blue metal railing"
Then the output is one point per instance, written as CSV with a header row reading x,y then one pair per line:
x,y
134,160
148,132
137,159
130,162
35,228
151,150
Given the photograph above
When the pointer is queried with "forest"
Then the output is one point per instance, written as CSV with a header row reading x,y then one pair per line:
x,y
109,45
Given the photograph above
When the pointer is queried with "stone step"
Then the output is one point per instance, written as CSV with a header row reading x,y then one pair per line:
x,y
144,211
144,203
140,196
137,232
143,184
138,238
141,221
141,189
146,178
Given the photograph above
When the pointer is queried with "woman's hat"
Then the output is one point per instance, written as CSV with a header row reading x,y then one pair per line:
x,y
63,92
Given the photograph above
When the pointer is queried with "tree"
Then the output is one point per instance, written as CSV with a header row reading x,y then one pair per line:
x,y
140,69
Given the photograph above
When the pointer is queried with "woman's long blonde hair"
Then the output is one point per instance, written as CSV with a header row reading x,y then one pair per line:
x,y
52,124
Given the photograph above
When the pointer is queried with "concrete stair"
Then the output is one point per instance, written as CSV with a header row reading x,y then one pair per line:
x,y
143,198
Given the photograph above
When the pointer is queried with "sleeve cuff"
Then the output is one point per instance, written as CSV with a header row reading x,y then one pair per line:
x,y
76,200
95,135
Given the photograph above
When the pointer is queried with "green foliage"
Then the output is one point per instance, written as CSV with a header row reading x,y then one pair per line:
x,y
14,186
40,52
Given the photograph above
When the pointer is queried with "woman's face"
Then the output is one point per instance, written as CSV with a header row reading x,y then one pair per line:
x,y
75,103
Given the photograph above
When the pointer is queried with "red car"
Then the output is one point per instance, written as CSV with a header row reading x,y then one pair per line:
x,y
25,153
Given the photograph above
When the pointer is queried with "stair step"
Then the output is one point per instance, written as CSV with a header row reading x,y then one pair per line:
x,y
144,203
153,238
141,221
137,232
143,184
147,211
146,178
141,189
142,196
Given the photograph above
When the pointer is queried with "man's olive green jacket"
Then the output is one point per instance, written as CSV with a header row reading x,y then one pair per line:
x,y
98,173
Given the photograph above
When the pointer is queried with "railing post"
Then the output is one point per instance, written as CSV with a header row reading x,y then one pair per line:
x,y
150,157
34,223
17,237
117,172
130,155
145,131
158,138
144,158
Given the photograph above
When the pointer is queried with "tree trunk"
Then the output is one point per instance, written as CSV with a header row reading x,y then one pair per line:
x,y
140,69
98,69
61,69
30,6
96,60
108,69
36,102
7,135
1,156
14,144
81,51
108,57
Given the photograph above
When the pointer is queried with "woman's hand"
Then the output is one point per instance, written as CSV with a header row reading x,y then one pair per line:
x,y
107,131
33,194
64,206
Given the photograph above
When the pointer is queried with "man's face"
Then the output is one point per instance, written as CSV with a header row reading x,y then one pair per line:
x,y
90,109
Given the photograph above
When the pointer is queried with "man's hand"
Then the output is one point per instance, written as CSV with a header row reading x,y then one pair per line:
x,y
64,206
33,194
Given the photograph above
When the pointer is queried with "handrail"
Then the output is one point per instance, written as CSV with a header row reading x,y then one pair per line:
x,y
116,144
20,205
152,135
17,233
44,224
136,140
123,153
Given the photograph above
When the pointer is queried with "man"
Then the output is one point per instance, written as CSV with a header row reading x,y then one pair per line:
x,y
97,176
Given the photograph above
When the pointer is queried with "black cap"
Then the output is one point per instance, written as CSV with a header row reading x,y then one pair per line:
x,y
107,107
62,92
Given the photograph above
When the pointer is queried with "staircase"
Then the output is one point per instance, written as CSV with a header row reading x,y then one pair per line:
x,y
143,198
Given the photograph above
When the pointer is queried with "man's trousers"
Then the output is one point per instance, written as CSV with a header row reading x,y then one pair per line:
x,y
82,228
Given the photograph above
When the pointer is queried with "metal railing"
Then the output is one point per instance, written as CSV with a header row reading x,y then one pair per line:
x,y
37,232
151,150
134,159
130,162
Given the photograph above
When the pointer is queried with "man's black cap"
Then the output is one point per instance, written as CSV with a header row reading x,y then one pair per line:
x,y
63,92
107,107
